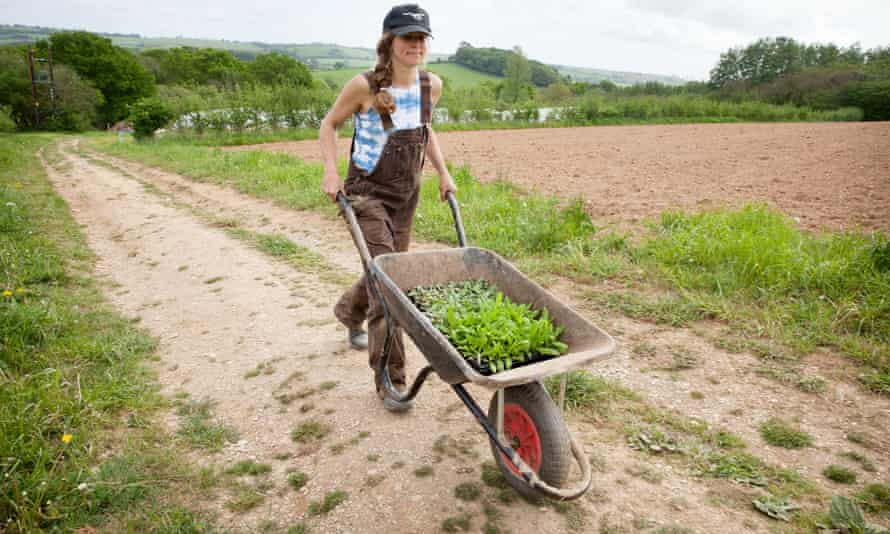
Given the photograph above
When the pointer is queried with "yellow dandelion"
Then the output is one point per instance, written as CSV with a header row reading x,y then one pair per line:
x,y
20,290
7,293
66,438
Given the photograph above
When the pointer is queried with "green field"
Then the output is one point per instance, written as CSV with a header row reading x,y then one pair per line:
x,y
457,75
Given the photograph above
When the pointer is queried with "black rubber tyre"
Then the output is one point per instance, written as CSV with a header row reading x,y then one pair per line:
x,y
530,413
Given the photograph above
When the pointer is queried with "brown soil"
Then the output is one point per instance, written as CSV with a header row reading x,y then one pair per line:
x,y
825,175
159,245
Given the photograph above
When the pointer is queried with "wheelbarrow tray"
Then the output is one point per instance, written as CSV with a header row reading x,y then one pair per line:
x,y
399,272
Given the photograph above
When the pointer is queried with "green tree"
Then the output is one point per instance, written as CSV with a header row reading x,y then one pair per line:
x,y
112,70
15,85
279,69
519,75
195,66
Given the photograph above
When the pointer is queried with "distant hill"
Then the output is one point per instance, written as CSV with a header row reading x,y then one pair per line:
x,y
318,56
458,75
583,74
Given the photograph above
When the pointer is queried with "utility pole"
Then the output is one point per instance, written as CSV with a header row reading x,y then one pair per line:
x,y
52,80
34,100
36,79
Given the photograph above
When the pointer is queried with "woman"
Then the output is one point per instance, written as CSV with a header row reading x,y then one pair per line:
x,y
392,106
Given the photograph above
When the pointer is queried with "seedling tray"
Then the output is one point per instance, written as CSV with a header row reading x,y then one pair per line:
x,y
398,273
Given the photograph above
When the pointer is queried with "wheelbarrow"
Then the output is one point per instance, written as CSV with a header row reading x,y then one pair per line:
x,y
527,432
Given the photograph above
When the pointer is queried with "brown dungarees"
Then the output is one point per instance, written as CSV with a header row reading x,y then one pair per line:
x,y
384,202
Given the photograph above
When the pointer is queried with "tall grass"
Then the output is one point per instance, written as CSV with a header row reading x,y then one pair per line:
x,y
811,290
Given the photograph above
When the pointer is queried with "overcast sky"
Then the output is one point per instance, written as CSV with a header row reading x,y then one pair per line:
x,y
679,37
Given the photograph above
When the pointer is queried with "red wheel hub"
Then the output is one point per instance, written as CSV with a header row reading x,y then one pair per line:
x,y
522,436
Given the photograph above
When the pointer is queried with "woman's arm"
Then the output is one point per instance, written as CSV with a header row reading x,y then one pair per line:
x,y
433,151
348,102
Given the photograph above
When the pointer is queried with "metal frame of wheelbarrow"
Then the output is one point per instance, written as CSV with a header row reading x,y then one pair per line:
x,y
587,343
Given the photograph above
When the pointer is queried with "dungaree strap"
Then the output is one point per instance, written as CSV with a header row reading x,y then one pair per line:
x,y
426,102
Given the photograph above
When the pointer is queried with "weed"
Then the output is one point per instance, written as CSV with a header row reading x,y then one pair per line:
x,y
644,472
846,516
777,508
653,441
310,431
397,465
248,467
467,491
299,528
331,501
424,471
839,474
374,480
208,478
643,349
445,445
875,498
458,523
492,476
297,480
244,499
340,447
682,359
864,462
373,457
861,438
262,368
697,395
200,430
214,280
576,518
327,386
780,434
812,384
585,392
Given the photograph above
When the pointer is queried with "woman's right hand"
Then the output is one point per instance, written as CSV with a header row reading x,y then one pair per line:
x,y
330,184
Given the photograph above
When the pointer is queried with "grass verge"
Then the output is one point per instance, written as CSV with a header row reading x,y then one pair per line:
x,y
77,447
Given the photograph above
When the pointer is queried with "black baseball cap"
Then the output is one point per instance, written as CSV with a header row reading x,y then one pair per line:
x,y
407,18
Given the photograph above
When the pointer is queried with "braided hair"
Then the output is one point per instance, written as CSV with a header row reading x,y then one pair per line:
x,y
382,76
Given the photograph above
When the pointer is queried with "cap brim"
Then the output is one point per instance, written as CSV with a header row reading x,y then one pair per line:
x,y
411,29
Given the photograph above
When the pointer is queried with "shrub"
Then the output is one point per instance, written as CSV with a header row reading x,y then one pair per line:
x,y
149,115
872,97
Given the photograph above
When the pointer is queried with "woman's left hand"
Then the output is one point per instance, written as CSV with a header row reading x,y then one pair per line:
x,y
446,185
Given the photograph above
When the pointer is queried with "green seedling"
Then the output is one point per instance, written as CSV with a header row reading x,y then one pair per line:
x,y
485,326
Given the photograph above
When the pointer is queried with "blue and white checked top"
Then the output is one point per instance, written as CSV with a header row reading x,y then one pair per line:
x,y
370,137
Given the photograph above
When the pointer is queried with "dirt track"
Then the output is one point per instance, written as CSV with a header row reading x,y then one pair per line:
x,y
162,245
831,175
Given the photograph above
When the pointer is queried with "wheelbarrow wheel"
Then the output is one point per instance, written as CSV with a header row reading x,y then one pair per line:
x,y
533,427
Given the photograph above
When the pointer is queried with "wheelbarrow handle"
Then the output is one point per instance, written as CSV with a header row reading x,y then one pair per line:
x,y
357,236
455,213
